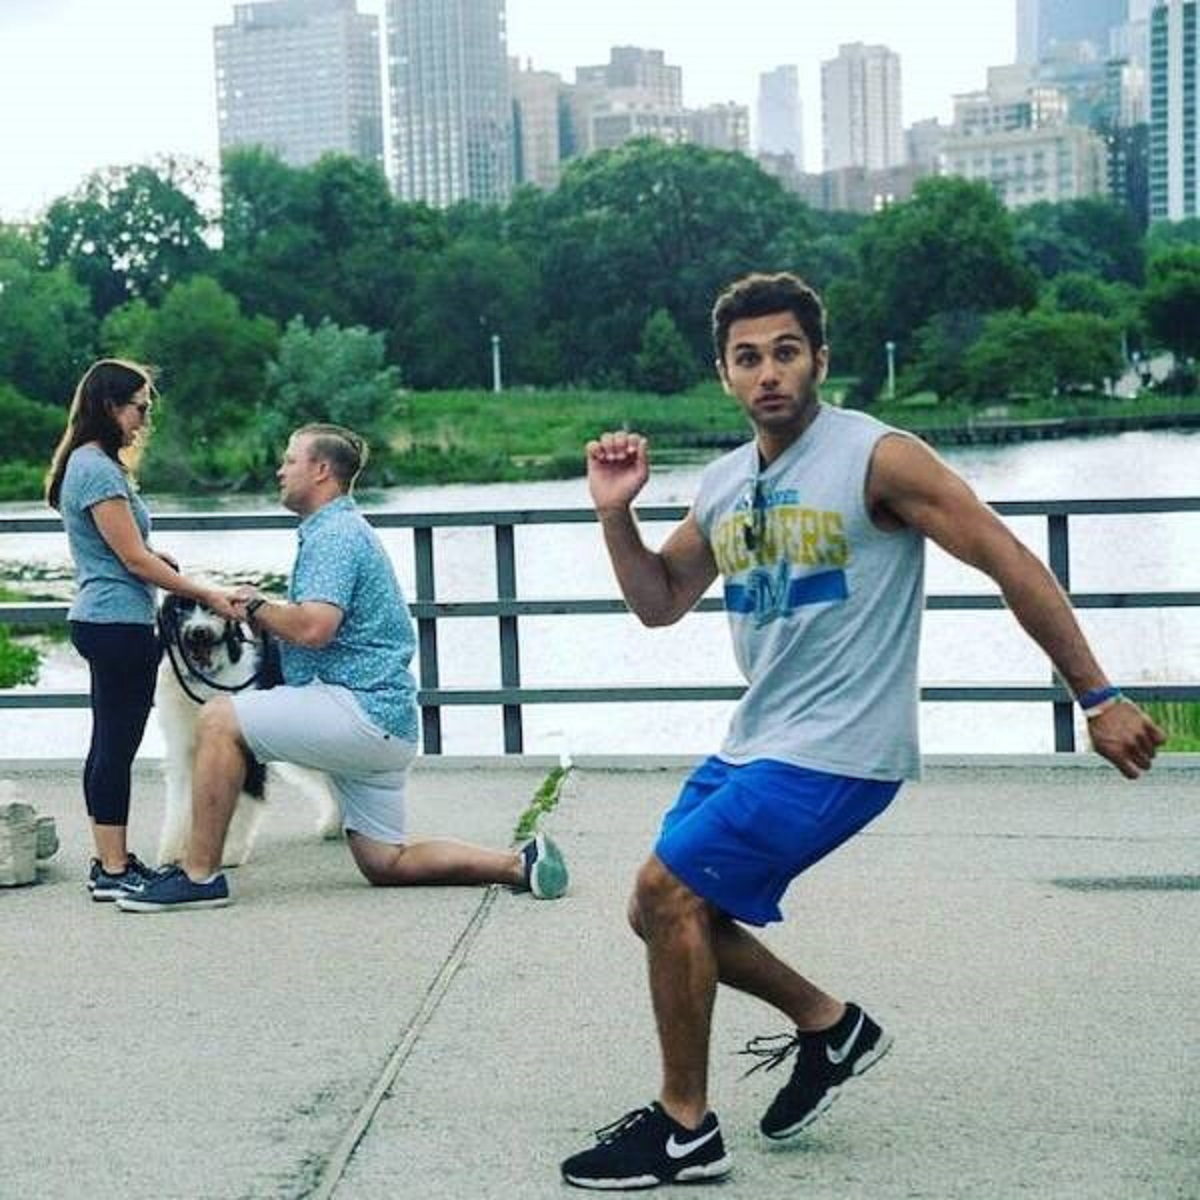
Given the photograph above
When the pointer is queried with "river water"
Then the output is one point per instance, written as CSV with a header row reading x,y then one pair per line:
x,y
1127,553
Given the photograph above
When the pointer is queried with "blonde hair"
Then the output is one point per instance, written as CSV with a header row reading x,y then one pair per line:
x,y
342,448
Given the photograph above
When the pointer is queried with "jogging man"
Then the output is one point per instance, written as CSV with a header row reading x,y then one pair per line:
x,y
818,528
347,707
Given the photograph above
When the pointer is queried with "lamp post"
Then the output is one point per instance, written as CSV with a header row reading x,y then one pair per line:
x,y
496,383
890,347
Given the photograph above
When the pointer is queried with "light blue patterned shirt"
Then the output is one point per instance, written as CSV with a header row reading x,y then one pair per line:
x,y
341,561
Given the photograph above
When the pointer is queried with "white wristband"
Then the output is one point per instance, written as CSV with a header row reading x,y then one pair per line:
x,y
1100,709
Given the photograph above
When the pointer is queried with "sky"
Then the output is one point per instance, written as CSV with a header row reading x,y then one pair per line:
x,y
91,83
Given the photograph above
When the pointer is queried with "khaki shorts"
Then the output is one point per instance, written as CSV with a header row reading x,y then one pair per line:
x,y
324,727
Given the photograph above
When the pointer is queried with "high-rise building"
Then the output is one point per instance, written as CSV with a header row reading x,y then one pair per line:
x,y
1131,42
1017,137
1043,25
300,78
860,96
923,141
1023,166
857,189
780,114
643,70
1174,110
537,126
1014,99
452,135
635,94
720,127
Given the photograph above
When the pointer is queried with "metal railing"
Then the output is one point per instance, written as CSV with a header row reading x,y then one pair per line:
x,y
507,609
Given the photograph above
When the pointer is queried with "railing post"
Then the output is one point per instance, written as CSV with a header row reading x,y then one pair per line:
x,y
1060,564
510,646
431,715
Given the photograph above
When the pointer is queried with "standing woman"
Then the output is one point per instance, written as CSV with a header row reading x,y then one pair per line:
x,y
113,614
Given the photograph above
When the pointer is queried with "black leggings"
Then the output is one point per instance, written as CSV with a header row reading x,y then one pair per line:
x,y
124,662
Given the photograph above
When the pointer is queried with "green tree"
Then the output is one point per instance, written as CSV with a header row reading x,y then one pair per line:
x,y
31,429
948,249
211,363
665,363
129,232
1120,303
18,664
1042,353
476,288
647,226
1091,235
326,374
1163,235
47,331
1171,300
326,240
938,359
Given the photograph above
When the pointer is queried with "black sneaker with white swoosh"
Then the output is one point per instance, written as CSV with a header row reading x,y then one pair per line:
x,y
647,1147
824,1061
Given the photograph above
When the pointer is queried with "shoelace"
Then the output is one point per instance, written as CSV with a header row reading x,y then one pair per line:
x,y
773,1049
610,1133
139,868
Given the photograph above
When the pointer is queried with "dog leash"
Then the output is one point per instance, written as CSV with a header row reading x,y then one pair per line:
x,y
173,644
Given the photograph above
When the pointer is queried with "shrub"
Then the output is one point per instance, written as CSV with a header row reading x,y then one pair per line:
x,y
18,664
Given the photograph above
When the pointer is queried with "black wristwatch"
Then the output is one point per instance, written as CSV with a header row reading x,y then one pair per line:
x,y
254,606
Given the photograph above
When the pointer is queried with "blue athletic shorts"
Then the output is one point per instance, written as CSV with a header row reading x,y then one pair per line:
x,y
738,835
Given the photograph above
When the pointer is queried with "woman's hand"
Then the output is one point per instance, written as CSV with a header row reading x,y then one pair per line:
x,y
222,604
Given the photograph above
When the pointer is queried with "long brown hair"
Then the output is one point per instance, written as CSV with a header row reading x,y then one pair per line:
x,y
106,385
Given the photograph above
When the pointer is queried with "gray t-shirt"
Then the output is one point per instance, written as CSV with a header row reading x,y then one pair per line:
x,y
824,607
107,591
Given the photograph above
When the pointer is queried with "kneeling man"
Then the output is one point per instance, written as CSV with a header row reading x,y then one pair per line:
x,y
347,706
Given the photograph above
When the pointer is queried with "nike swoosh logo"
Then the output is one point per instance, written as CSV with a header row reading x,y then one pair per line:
x,y
678,1149
839,1056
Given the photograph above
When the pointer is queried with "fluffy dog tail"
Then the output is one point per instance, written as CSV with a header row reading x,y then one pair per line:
x,y
256,777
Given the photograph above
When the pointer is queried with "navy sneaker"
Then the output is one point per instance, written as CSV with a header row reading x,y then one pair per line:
x,y
545,870
647,1147
108,886
172,889
824,1061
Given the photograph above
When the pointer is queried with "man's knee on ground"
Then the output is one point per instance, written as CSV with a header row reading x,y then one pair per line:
x,y
379,863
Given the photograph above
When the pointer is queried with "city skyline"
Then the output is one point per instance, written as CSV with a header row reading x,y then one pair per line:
x,y
164,102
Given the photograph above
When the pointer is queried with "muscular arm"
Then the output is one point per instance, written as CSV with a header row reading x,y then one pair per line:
x,y
910,485
114,520
311,623
659,586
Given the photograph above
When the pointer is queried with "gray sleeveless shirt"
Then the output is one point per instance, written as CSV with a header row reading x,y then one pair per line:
x,y
824,607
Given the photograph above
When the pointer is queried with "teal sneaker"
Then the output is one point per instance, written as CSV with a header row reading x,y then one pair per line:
x,y
545,870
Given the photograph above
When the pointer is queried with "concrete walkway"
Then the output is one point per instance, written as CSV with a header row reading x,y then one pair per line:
x,y
1028,933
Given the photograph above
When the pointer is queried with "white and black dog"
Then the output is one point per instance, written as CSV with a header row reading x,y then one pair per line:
x,y
204,656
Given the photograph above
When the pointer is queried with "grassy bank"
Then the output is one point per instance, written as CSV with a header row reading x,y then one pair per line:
x,y
452,437
1181,723
925,412
481,437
